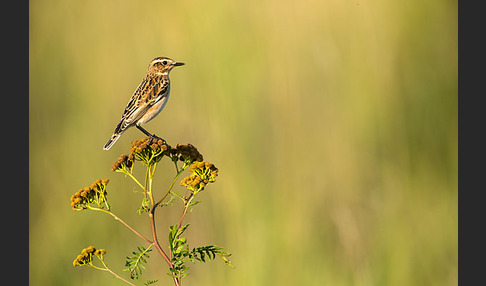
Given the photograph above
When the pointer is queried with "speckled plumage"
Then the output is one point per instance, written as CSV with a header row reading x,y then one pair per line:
x,y
149,98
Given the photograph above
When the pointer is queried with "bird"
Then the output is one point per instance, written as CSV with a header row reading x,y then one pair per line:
x,y
148,100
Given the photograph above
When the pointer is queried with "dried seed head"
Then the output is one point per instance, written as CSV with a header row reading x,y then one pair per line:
x,y
149,153
202,173
124,161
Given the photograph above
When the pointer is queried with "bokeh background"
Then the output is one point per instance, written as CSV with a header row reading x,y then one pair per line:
x,y
333,124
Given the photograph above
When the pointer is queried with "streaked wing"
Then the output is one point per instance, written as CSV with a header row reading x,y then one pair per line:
x,y
149,92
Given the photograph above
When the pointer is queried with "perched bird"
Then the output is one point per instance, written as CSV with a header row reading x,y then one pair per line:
x,y
148,100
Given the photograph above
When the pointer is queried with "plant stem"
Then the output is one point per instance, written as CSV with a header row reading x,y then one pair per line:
x,y
148,180
156,241
123,222
184,210
177,280
145,188
135,179
116,275
172,184
157,245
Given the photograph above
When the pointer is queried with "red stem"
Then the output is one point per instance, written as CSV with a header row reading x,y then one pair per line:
x,y
157,245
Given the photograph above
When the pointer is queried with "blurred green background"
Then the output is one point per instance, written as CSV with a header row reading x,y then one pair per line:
x,y
333,124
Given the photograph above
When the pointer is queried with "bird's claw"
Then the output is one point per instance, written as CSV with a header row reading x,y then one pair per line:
x,y
153,136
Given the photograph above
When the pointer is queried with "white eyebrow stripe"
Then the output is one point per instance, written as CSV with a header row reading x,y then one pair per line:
x,y
160,61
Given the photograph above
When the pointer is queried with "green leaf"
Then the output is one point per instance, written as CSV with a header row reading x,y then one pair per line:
x,y
134,263
177,195
210,252
172,234
182,229
193,203
149,282
168,202
144,206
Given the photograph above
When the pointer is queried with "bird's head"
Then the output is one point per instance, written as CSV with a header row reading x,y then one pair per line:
x,y
162,65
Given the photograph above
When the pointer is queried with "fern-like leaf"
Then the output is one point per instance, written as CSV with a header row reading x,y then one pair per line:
x,y
134,263
150,282
210,252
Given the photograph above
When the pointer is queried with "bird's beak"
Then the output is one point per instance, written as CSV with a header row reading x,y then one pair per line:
x,y
178,64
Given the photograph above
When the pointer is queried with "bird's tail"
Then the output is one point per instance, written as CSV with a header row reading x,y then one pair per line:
x,y
120,128
112,140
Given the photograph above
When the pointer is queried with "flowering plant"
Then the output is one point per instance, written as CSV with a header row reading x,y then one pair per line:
x,y
149,153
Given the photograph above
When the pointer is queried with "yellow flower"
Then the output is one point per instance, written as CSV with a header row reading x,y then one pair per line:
x,y
94,194
202,173
86,256
149,154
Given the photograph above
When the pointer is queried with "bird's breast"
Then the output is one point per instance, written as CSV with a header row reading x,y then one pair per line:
x,y
154,110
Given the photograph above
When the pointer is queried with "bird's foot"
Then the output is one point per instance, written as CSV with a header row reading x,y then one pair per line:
x,y
153,136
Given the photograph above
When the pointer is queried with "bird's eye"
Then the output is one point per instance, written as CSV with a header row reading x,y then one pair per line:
x,y
164,63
